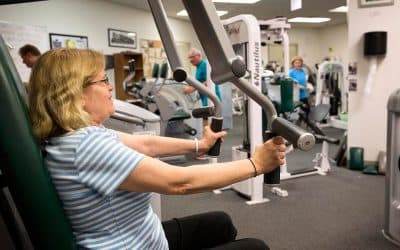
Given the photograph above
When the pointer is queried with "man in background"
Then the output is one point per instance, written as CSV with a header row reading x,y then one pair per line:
x,y
196,59
29,54
203,76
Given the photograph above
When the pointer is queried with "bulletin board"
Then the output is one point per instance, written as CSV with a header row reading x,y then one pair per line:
x,y
17,35
153,52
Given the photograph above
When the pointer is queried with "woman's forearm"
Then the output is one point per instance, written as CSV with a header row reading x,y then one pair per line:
x,y
156,146
165,146
152,175
199,178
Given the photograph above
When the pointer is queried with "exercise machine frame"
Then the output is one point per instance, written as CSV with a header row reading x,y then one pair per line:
x,y
332,67
226,66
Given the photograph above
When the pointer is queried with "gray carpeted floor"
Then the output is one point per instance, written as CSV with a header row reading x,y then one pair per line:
x,y
343,210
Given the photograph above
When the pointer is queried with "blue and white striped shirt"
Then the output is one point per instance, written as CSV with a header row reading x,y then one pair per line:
x,y
87,166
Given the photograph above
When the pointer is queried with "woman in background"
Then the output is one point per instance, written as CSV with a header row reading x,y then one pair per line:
x,y
298,74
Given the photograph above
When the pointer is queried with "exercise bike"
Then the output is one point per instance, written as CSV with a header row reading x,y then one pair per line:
x,y
147,93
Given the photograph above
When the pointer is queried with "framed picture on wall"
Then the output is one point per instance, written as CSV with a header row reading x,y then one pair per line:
x,y
122,38
372,3
68,41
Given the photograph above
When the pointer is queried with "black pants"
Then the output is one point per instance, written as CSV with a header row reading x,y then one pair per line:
x,y
306,105
213,230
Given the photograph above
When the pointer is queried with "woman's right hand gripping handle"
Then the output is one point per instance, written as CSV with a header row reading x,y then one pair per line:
x,y
269,155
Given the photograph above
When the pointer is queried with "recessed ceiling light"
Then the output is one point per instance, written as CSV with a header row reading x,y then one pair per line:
x,y
309,20
236,1
340,9
184,13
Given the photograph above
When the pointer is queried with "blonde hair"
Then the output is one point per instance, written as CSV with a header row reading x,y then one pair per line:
x,y
56,85
295,59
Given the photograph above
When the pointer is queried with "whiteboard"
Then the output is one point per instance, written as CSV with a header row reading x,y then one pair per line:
x,y
17,35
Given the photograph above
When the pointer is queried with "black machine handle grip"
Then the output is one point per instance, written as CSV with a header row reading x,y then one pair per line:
x,y
203,112
297,136
273,177
216,126
398,164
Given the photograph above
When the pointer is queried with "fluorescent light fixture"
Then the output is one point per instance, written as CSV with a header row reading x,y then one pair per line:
x,y
340,9
295,5
236,1
309,20
184,13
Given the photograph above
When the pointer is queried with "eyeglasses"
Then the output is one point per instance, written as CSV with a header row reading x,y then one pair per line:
x,y
193,56
104,81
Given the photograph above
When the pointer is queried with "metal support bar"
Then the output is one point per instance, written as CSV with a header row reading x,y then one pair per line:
x,y
227,67
167,38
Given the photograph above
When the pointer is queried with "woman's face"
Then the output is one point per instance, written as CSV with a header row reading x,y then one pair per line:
x,y
97,99
297,64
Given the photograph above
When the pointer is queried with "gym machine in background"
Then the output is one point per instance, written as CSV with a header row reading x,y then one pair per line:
x,y
226,67
284,91
159,96
275,31
244,35
391,229
179,73
335,93
244,32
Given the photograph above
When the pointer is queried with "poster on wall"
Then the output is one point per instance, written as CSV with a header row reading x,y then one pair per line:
x,y
18,35
353,84
373,3
352,76
68,41
352,68
122,39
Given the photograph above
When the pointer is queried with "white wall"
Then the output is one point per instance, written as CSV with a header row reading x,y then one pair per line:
x,y
92,18
313,43
333,42
308,41
308,45
367,113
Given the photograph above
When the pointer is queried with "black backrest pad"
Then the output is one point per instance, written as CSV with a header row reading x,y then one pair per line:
x,y
26,176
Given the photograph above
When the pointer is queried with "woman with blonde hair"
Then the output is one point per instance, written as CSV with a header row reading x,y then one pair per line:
x,y
105,178
299,75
